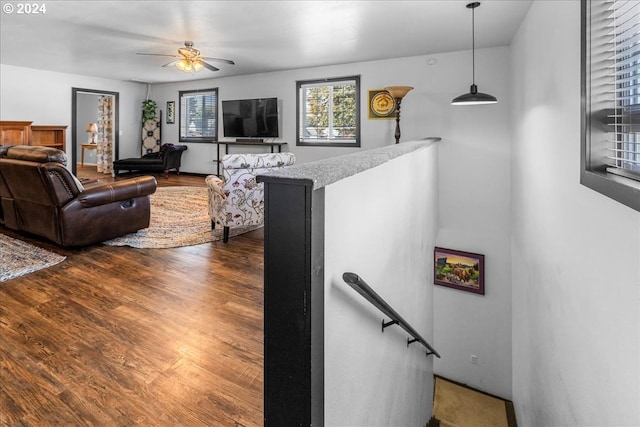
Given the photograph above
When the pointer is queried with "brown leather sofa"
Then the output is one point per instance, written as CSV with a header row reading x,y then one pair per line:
x,y
39,195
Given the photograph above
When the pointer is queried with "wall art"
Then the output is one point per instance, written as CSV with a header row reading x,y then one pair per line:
x,y
381,105
459,270
171,112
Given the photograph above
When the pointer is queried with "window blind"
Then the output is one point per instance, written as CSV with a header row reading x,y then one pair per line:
x,y
199,115
623,37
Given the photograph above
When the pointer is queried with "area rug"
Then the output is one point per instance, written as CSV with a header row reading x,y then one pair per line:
x,y
20,258
179,217
455,405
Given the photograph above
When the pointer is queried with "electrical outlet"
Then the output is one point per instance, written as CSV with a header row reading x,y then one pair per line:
x,y
474,359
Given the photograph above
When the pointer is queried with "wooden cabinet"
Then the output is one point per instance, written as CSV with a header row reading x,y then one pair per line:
x,y
24,133
15,133
49,136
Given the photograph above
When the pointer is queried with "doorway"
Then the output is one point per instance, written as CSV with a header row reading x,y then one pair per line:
x,y
85,112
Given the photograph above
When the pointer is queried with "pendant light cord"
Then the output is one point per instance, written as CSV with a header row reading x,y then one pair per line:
x,y
473,97
473,45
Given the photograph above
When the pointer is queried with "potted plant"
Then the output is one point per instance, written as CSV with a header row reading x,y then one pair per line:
x,y
149,108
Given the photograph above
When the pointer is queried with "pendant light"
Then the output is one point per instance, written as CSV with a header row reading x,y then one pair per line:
x,y
474,97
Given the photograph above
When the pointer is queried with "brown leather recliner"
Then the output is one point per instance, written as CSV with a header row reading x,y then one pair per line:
x,y
40,196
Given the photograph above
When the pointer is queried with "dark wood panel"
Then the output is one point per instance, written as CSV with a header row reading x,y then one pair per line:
x,y
120,336
294,304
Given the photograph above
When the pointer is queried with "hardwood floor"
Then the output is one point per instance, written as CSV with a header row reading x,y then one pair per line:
x,y
117,336
89,172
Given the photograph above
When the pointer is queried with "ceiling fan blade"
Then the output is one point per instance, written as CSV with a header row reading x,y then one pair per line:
x,y
226,61
157,54
209,66
174,62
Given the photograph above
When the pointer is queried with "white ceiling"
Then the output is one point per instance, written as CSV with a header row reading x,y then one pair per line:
x,y
101,38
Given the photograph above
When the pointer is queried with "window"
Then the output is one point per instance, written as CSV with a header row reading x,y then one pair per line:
x,y
610,158
328,112
199,115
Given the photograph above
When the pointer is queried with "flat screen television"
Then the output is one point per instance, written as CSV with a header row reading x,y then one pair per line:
x,y
250,118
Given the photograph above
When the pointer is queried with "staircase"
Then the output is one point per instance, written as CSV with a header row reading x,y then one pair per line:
x,y
433,422
458,405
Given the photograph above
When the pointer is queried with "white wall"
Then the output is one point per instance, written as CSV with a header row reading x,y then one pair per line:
x,y
425,110
575,253
474,217
86,112
372,378
45,98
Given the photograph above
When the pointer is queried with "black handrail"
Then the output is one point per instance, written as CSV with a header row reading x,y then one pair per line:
x,y
370,295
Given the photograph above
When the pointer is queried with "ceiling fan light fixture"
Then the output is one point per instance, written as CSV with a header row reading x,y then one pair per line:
x,y
474,97
189,60
188,50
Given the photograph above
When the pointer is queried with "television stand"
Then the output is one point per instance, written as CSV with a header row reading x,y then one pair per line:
x,y
249,139
272,146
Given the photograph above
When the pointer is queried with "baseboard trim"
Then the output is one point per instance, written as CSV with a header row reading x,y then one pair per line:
x,y
511,414
171,173
194,174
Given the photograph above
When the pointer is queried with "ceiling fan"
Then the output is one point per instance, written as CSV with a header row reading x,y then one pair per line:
x,y
189,59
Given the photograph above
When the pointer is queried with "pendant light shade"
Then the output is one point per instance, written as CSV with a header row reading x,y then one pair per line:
x,y
474,97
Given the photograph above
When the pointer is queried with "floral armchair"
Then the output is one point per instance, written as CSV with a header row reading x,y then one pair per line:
x,y
237,200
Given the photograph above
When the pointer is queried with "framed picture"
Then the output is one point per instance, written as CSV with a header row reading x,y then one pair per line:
x,y
459,270
381,105
171,112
